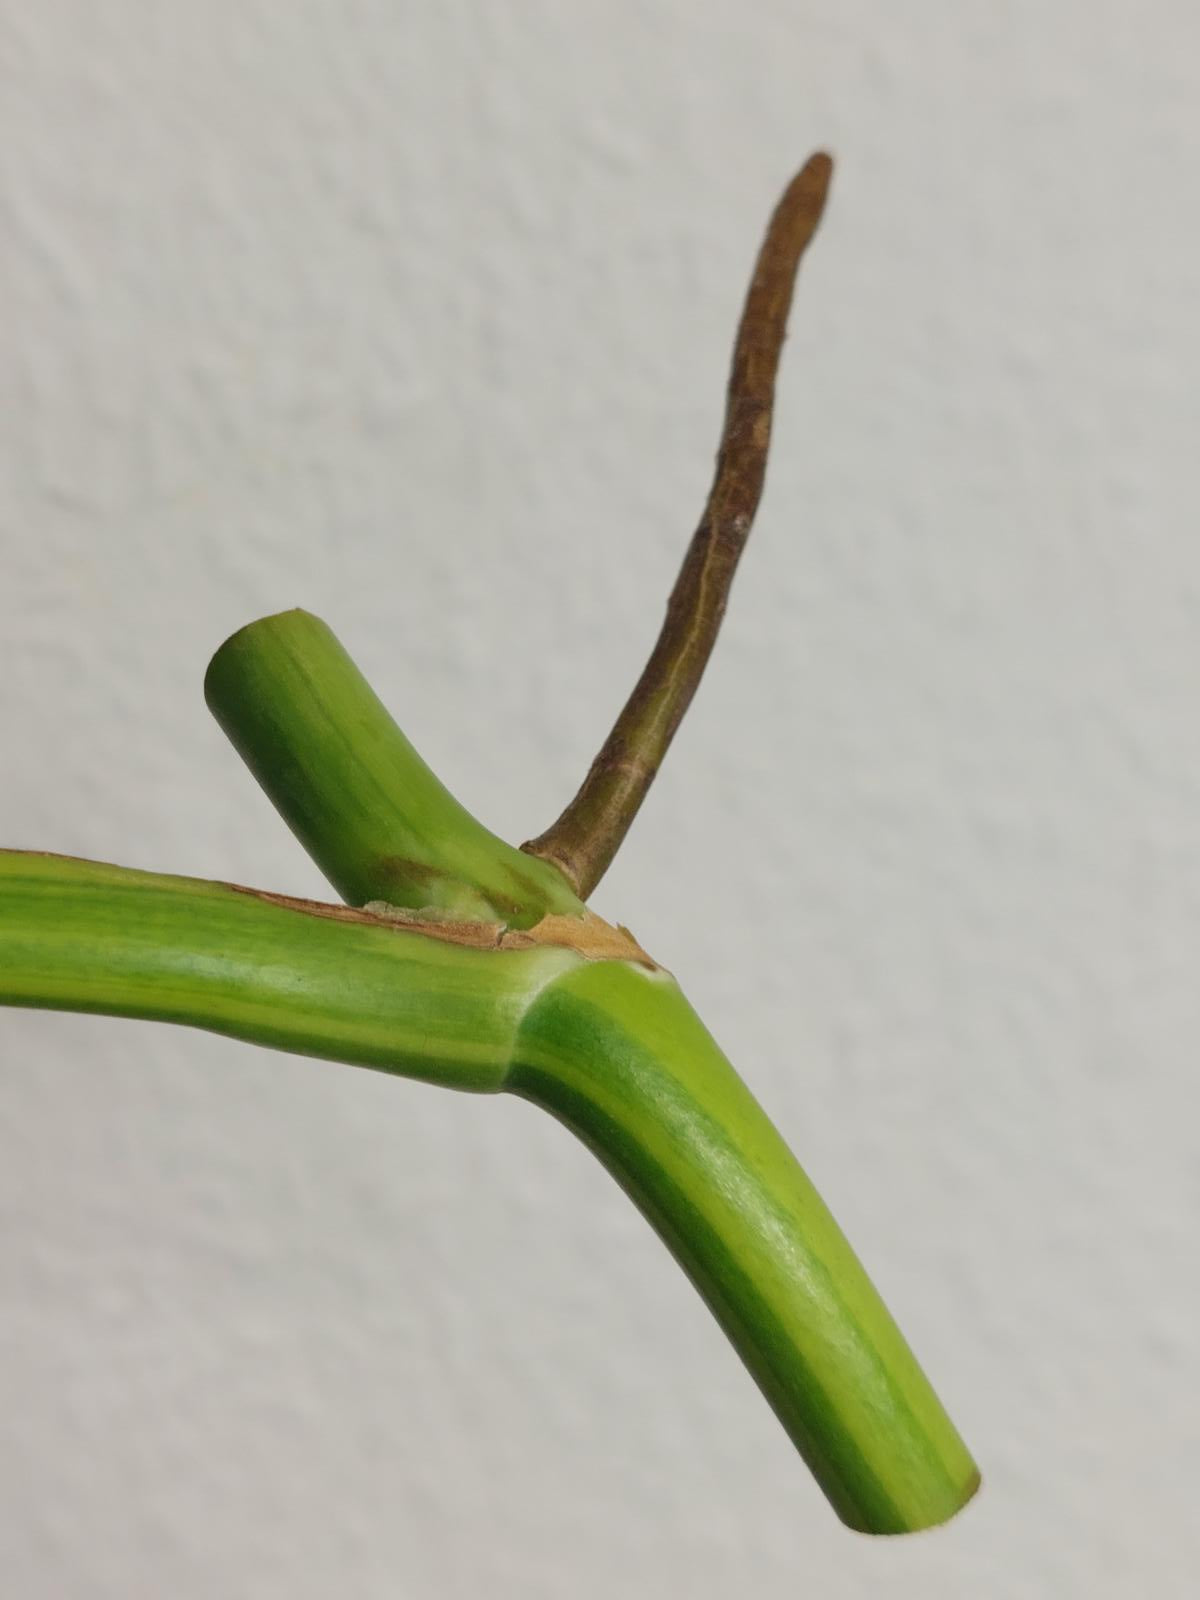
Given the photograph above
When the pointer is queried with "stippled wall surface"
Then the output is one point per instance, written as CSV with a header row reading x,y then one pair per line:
x,y
418,316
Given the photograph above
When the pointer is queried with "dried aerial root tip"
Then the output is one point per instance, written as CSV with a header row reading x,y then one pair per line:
x,y
587,835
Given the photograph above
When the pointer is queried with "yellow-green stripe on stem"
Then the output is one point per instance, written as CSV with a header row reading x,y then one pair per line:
x,y
85,936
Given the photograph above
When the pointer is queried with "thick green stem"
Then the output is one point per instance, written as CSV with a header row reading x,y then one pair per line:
x,y
315,980
610,1047
619,1056
353,790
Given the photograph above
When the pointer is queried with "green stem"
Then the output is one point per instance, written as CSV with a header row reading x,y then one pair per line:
x,y
618,1055
319,981
609,1047
353,790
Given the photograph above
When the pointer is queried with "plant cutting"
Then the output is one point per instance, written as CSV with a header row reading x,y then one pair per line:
x,y
456,958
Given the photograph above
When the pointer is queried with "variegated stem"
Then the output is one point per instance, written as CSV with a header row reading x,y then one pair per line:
x,y
609,1046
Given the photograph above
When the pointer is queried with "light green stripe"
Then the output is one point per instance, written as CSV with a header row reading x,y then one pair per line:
x,y
85,936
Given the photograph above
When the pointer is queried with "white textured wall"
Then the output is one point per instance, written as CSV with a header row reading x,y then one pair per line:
x,y
417,315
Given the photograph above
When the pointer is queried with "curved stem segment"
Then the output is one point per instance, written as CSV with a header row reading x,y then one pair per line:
x,y
610,1047
295,975
353,790
587,836
617,1054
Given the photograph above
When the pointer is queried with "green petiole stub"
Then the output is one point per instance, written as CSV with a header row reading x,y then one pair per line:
x,y
334,764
